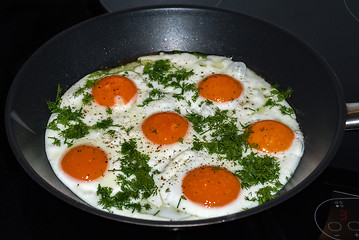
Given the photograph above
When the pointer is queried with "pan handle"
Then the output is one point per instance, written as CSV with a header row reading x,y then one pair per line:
x,y
352,122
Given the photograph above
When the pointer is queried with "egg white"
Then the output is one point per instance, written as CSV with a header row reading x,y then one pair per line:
x,y
175,160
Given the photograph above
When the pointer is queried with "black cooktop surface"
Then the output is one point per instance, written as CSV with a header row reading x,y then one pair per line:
x,y
330,203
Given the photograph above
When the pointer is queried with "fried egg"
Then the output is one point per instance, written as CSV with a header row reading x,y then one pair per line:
x,y
201,185
174,137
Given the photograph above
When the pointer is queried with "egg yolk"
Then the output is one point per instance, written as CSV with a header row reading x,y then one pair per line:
x,y
112,88
85,162
165,128
220,88
210,186
270,136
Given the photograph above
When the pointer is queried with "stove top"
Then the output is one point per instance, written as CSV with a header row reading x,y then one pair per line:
x,y
327,209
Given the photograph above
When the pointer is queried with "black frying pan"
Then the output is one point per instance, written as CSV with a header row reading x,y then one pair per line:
x,y
118,37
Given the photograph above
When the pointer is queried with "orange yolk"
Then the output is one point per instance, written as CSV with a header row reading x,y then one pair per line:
x,y
270,136
85,162
220,88
210,186
108,88
165,128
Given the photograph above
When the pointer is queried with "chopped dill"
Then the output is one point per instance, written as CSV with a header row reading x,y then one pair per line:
x,y
168,75
180,199
87,99
154,95
109,110
276,96
258,169
231,144
266,193
71,120
135,178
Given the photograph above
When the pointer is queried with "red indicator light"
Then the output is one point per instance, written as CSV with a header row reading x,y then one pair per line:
x,y
343,215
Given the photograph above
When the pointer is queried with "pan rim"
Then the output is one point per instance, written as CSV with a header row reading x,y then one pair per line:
x,y
186,223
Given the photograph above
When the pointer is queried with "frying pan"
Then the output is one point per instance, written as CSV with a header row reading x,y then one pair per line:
x,y
115,38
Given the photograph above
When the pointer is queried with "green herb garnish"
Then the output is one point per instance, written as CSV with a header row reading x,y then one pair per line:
x,y
109,110
258,169
231,144
135,178
56,142
92,81
168,75
87,99
200,55
71,121
180,199
265,194
278,96
154,95
104,124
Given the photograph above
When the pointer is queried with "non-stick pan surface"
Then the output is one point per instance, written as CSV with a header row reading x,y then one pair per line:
x,y
117,37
